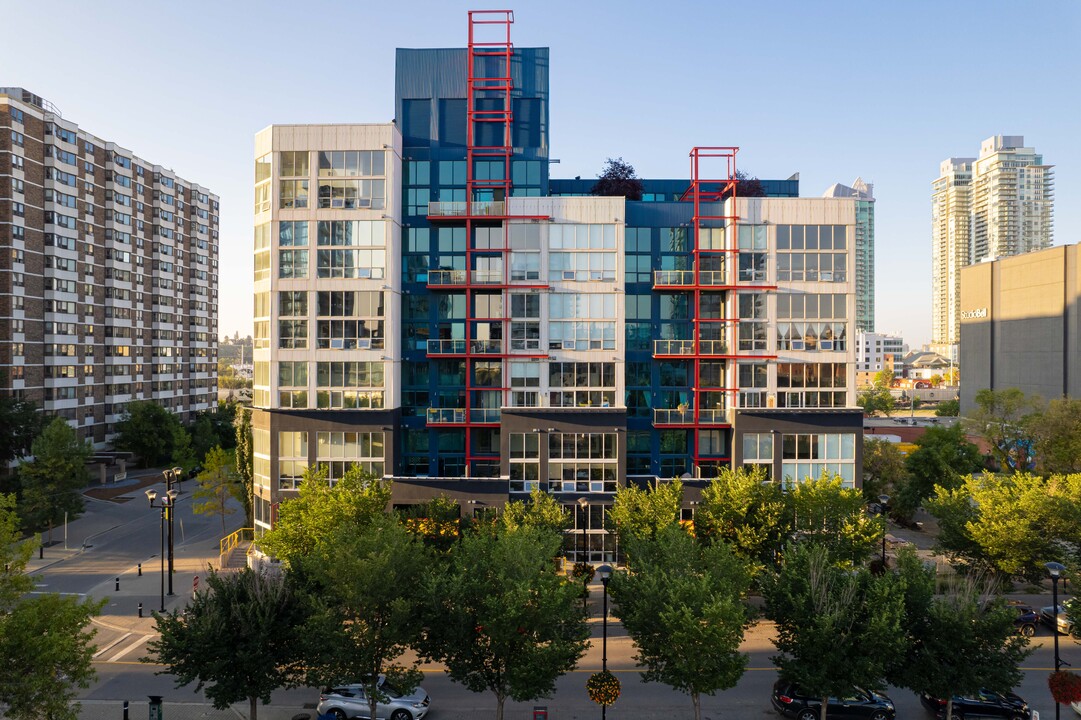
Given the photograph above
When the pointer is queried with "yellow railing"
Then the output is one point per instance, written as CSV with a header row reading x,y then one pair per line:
x,y
232,540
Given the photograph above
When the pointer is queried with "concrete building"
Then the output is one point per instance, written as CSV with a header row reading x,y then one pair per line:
x,y
864,271
1021,325
108,274
432,305
996,205
879,351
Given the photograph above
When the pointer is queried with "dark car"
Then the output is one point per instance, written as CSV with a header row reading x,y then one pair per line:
x,y
788,700
985,704
1027,620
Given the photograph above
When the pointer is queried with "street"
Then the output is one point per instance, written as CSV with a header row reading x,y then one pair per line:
x,y
119,536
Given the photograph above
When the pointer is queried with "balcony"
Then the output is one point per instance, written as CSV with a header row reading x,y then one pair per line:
x,y
484,415
459,347
673,347
713,347
444,278
673,416
712,416
462,209
672,278
446,416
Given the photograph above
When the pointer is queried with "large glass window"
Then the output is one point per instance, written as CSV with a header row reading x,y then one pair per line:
x,y
582,384
350,319
524,462
349,385
340,451
292,459
808,456
812,385
812,253
352,163
365,256
582,462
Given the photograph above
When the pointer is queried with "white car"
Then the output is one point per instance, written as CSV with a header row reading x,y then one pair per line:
x,y
1076,707
349,701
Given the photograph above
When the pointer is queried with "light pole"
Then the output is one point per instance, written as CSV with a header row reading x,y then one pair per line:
x,y
583,503
1055,570
605,571
880,509
166,506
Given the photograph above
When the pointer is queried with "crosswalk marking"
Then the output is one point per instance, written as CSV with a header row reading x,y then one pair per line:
x,y
111,645
130,648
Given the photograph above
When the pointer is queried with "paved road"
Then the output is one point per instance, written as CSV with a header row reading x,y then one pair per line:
x,y
120,535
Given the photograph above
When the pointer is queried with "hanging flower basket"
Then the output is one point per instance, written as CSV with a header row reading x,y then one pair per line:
x,y
603,688
1065,687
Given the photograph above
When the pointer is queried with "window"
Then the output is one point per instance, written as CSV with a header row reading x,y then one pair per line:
x,y
581,384
17,115
349,385
524,462
293,194
525,384
363,330
582,462
340,451
291,163
293,384
811,385
368,261
293,303
805,456
812,253
582,321
752,321
752,253
351,163
581,253
17,138
292,263
292,459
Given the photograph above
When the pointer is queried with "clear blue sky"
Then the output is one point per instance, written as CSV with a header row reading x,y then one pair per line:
x,y
833,91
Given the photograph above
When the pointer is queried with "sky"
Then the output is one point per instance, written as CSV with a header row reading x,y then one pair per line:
x,y
833,91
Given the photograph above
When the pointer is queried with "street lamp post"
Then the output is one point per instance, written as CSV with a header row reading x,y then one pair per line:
x,y
883,504
1055,570
166,506
583,503
605,572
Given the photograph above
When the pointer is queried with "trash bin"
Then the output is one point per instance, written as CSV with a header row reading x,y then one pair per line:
x,y
540,712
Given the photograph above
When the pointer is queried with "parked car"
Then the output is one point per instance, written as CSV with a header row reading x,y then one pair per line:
x,y
350,701
985,704
1051,618
1076,707
1027,618
789,701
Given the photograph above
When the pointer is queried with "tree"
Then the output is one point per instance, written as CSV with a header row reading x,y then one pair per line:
x,y
217,483
1010,524
836,629
542,512
748,185
743,509
183,453
942,456
875,399
681,602
618,179
948,408
374,580
20,423
826,513
243,637
309,521
1001,417
642,512
203,435
245,458
967,621
438,522
53,481
502,619
1056,433
149,431
45,647
883,468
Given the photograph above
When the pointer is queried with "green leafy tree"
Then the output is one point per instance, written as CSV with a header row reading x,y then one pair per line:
x,y
245,458
20,423
1001,418
742,508
942,457
1010,524
618,179
183,452
52,483
438,522
966,621
641,512
681,602
149,431
502,619
217,484
542,512
826,513
203,435
243,637
46,648
308,521
875,400
836,628
374,579
948,408
1056,432
883,468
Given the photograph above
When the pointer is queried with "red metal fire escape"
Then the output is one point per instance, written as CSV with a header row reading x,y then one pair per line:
x,y
488,104
714,200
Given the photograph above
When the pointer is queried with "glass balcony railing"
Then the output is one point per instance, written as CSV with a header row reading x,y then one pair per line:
x,y
440,416
673,416
673,277
447,277
446,347
673,347
712,277
713,347
484,415
479,208
713,416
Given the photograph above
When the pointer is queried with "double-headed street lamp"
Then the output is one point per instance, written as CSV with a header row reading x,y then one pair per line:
x,y
605,572
173,475
880,509
168,501
1055,570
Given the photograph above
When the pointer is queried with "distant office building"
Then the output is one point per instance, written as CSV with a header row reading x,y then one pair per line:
x,y
864,195
1021,325
108,274
878,351
997,205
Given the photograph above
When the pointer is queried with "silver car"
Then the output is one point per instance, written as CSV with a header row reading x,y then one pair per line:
x,y
345,702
